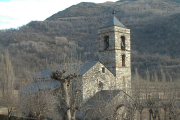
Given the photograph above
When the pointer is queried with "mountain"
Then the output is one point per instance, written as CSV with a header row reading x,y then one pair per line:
x,y
61,37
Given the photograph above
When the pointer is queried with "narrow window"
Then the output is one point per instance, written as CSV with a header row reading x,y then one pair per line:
x,y
122,43
103,70
100,85
124,83
123,60
106,42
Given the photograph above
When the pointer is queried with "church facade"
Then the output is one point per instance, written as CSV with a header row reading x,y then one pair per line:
x,y
107,82
113,73
113,70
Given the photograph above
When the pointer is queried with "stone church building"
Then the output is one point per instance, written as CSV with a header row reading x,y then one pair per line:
x,y
105,84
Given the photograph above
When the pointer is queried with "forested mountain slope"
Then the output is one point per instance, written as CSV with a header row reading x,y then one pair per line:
x,y
154,28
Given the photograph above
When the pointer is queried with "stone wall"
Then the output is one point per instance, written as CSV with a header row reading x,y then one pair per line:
x,y
121,100
95,80
112,57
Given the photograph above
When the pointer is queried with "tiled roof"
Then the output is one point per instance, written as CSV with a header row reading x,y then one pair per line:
x,y
80,69
102,98
113,21
38,85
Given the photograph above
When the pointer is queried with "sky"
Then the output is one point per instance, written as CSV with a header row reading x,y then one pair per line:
x,y
15,13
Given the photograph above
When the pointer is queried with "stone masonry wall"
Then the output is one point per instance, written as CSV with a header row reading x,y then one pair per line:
x,y
112,57
107,57
94,78
117,102
123,73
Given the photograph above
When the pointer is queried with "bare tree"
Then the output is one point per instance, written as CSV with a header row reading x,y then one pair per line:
x,y
9,98
156,95
66,106
36,100
171,104
137,89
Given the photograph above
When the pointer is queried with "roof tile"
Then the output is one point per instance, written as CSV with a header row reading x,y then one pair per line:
x,y
113,21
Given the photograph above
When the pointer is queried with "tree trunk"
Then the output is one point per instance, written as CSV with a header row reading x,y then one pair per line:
x,y
74,114
149,115
9,114
39,117
66,98
140,115
159,118
65,82
165,114
154,118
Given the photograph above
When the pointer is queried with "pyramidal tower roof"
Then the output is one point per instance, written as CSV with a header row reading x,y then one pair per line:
x,y
113,21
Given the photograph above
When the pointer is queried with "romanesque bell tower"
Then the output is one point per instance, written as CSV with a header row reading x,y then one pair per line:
x,y
115,51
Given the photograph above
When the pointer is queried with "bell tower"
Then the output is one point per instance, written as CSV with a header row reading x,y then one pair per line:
x,y
115,51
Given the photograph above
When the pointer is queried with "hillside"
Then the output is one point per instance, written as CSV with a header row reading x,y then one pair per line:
x,y
61,37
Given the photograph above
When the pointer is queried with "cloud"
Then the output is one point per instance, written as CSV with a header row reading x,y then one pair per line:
x,y
5,0
9,22
15,13
5,19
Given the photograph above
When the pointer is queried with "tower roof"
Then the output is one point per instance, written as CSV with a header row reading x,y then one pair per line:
x,y
113,21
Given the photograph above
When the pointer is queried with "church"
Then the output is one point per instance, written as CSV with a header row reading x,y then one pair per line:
x,y
105,84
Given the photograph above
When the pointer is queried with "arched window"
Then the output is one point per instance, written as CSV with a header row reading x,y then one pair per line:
x,y
123,43
106,42
123,60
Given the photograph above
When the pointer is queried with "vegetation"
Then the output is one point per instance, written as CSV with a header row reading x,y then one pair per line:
x,y
9,97
66,106
154,34
158,98
155,47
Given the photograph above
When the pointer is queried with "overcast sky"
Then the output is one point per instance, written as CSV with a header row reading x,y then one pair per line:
x,y
15,13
